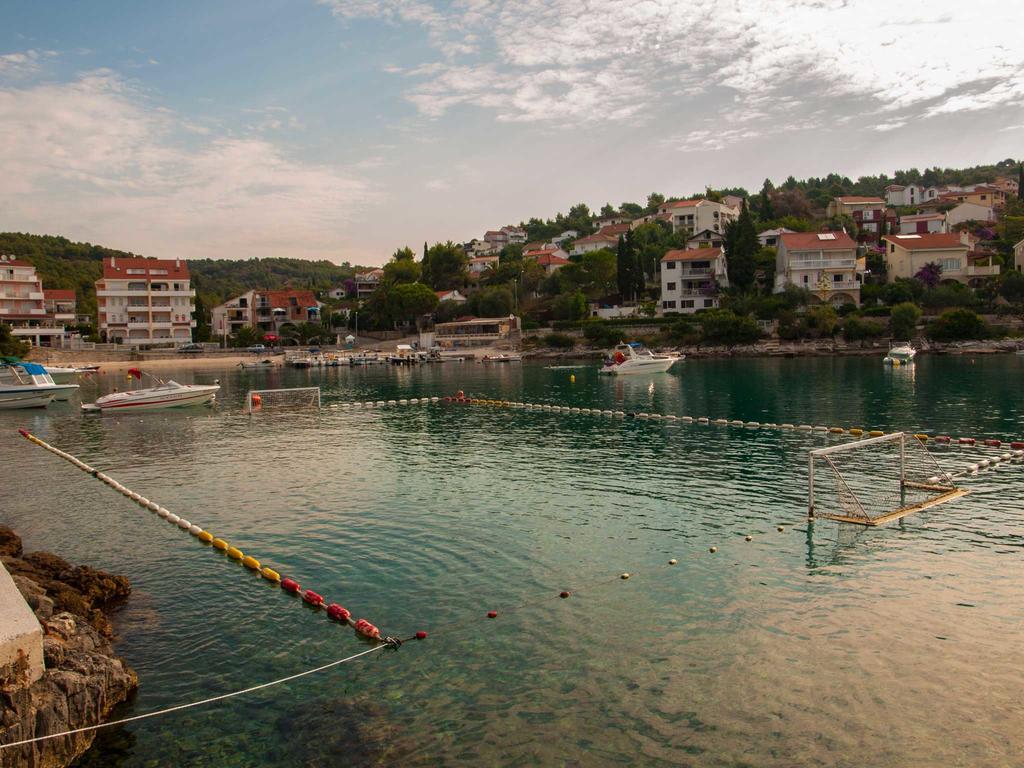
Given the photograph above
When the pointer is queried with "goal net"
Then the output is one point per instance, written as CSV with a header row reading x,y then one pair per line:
x,y
875,480
277,399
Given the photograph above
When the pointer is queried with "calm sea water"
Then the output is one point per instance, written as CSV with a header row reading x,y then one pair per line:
x,y
818,646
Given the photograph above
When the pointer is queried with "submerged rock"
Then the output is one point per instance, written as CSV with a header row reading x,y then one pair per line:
x,y
84,680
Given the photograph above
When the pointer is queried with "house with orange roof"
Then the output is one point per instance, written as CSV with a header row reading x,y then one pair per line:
x,y
867,212
145,301
606,237
693,216
452,295
923,223
24,306
906,254
551,258
480,264
690,279
265,310
824,263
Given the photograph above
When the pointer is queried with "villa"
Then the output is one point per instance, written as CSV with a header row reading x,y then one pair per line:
x,y
692,216
905,255
825,263
690,279
35,315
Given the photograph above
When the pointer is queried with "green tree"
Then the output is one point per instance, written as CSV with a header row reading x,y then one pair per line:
x,y
958,324
599,269
654,201
741,247
246,336
569,306
10,344
722,326
303,333
625,261
402,268
1011,286
903,320
444,266
607,210
765,210
495,301
822,319
410,302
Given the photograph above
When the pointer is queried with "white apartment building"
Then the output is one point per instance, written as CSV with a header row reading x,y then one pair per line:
x,y
825,263
23,305
693,216
145,301
689,279
923,223
480,264
909,194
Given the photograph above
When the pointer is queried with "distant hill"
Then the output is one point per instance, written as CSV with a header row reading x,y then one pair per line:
x,y
62,263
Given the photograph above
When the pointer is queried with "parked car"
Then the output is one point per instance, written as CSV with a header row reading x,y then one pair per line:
x,y
257,348
191,347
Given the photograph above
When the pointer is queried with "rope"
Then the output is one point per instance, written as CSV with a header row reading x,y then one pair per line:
x,y
199,703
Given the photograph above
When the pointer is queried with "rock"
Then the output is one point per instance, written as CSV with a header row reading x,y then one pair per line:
x,y
10,542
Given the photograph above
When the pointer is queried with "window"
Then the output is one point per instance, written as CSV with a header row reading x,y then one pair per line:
x,y
670,265
950,265
892,247
670,287
668,305
837,278
136,271
709,303
806,280
687,304
158,271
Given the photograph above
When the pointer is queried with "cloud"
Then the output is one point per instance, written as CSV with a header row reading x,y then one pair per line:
x,y
558,60
23,63
92,158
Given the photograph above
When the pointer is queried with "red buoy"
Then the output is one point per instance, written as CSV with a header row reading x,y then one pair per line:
x,y
492,614
942,438
564,594
23,432
421,635
313,598
366,629
966,441
290,585
338,613
1017,445
993,443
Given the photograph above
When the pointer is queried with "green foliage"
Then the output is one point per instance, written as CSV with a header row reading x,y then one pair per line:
x,y
686,329
722,326
304,333
1011,286
10,344
578,218
246,336
444,266
560,340
956,325
741,248
495,301
821,320
857,329
901,291
947,295
402,268
903,320
601,334
409,301
650,242
569,306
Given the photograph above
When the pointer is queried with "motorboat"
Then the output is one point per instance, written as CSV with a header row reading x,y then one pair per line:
x,y
405,354
900,354
67,375
166,394
28,385
257,364
633,358
502,358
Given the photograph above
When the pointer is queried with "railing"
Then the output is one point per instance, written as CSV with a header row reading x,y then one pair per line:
x,y
822,263
845,285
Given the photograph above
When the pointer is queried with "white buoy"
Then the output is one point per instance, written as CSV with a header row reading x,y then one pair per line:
x,y
173,519
736,423
195,530
392,402
184,524
164,512
153,506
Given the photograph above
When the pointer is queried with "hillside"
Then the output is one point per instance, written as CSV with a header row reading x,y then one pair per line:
x,y
62,263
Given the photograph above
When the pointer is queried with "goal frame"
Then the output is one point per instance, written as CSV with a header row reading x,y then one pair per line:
x,y
943,493
251,392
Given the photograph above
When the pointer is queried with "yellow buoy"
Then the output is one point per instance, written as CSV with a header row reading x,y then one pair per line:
x,y
876,433
922,437
748,538
624,576
220,544
205,536
712,550
270,574
251,562
235,553
836,430
572,378
856,431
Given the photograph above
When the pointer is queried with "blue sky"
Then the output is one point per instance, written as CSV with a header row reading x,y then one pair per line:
x,y
343,129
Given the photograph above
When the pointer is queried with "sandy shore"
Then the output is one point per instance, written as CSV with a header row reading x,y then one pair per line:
x,y
190,362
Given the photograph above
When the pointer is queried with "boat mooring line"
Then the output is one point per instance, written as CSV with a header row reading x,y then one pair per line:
x,y
193,704
333,611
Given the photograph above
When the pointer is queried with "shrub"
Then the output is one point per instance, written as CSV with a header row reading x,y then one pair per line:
x,y
949,295
720,326
821,319
958,324
685,330
903,320
847,309
856,329
560,340
875,311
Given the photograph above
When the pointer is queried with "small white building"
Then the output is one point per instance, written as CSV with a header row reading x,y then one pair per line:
x,y
452,295
1018,256
367,282
706,239
909,194
923,223
690,279
969,212
692,216
606,237
480,264
770,237
569,234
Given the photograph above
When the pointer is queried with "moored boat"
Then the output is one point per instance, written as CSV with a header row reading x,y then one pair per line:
x,y
165,395
634,358
900,354
502,358
28,385
257,364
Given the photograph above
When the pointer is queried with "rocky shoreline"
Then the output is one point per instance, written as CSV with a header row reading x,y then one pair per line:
x,y
84,679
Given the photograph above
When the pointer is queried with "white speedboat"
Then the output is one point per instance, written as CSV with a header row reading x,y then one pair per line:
x,y
633,358
502,358
166,394
900,354
28,385
257,364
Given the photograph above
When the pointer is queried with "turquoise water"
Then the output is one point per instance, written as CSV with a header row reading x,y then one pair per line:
x,y
820,645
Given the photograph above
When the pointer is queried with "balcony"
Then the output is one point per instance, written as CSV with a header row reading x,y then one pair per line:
x,y
156,326
844,285
694,273
822,263
35,295
982,271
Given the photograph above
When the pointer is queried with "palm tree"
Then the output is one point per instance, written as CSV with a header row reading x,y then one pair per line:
x,y
302,333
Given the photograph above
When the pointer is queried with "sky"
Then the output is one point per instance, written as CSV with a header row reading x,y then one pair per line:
x,y
344,129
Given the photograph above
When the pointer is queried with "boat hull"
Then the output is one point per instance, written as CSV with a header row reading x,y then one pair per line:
x,y
157,401
633,368
27,398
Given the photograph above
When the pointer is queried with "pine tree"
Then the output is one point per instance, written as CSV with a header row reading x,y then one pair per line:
x,y
766,211
633,255
741,247
624,267
1020,181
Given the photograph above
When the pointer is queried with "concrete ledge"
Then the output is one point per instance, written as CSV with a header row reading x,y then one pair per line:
x,y
21,637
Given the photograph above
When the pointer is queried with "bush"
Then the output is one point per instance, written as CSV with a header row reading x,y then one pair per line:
x,y
721,326
902,291
949,295
847,309
903,320
821,319
957,325
875,311
856,329
560,340
685,330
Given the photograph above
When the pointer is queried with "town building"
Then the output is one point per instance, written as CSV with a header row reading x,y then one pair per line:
x,y
825,263
24,307
868,213
477,247
1007,184
706,239
923,223
265,310
606,237
551,258
515,235
981,195
480,264
905,255
770,237
612,219
733,201
899,195
452,295
478,332
692,216
367,282
1018,256
569,234
691,278
62,305
145,301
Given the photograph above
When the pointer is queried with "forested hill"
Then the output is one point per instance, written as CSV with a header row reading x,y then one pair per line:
x,y
62,263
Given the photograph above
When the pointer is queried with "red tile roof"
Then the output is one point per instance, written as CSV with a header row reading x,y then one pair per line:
x,y
282,298
15,263
58,294
615,229
692,254
812,241
860,199
117,268
551,260
927,242
599,237
683,203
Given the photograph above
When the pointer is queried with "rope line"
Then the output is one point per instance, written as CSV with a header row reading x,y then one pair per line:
x,y
192,704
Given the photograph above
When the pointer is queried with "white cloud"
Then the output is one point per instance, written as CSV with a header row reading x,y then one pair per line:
x,y
91,158
22,63
535,60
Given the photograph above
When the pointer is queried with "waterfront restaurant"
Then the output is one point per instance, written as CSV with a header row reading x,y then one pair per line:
x,y
478,332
